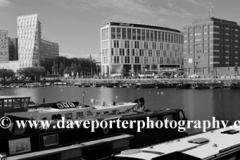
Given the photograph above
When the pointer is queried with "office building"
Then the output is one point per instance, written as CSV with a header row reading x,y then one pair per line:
x,y
135,48
29,38
13,49
48,50
211,47
4,49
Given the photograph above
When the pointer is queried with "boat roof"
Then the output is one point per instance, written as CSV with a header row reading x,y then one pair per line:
x,y
118,105
81,108
200,146
13,97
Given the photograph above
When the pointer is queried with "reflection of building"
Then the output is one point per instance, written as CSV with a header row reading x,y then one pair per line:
x,y
48,50
136,47
4,50
13,49
29,36
211,47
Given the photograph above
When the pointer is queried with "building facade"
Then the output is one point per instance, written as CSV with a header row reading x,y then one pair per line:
x,y
4,46
29,36
211,47
48,50
135,48
13,49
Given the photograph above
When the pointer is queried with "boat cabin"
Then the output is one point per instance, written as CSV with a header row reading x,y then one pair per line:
x,y
10,104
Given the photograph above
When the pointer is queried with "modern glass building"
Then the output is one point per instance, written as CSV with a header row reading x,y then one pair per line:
x,y
48,50
135,48
29,36
211,47
4,49
13,49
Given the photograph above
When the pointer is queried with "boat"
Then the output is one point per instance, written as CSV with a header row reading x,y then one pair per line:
x,y
18,106
46,138
85,85
218,144
200,85
234,85
112,85
166,85
184,86
148,85
216,85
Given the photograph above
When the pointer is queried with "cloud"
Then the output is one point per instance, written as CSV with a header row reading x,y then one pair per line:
x,y
4,3
174,11
193,1
170,5
116,10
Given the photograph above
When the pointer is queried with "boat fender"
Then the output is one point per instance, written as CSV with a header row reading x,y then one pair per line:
x,y
106,130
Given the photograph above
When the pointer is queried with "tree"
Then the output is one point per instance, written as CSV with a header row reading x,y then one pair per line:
x,y
74,68
6,73
32,72
123,71
67,70
54,68
61,69
113,70
236,70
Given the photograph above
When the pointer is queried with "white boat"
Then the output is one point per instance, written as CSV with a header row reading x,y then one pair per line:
x,y
19,106
219,144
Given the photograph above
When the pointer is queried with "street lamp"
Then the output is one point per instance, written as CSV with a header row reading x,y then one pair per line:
x,y
91,64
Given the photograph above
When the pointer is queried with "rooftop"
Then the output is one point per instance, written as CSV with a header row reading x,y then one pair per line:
x,y
142,26
29,15
213,19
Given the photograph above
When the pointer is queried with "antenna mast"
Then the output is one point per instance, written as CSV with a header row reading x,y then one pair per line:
x,y
210,7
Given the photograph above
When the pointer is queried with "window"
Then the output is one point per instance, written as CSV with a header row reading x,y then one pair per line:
x,y
56,117
138,34
124,33
147,35
118,33
129,37
89,113
145,45
143,34
79,114
153,45
151,35
68,115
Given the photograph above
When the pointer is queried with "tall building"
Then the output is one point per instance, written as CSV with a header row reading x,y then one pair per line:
x,y
29,38
13,49
211,47
48,50
137,48
4,50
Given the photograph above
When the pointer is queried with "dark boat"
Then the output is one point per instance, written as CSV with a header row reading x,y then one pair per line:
x,y
85,85
148,85
216,85
183,86
234,85
97,85
112,85
200,86
15,140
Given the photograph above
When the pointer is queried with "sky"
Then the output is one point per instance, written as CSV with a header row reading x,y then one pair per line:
x,y
75,24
